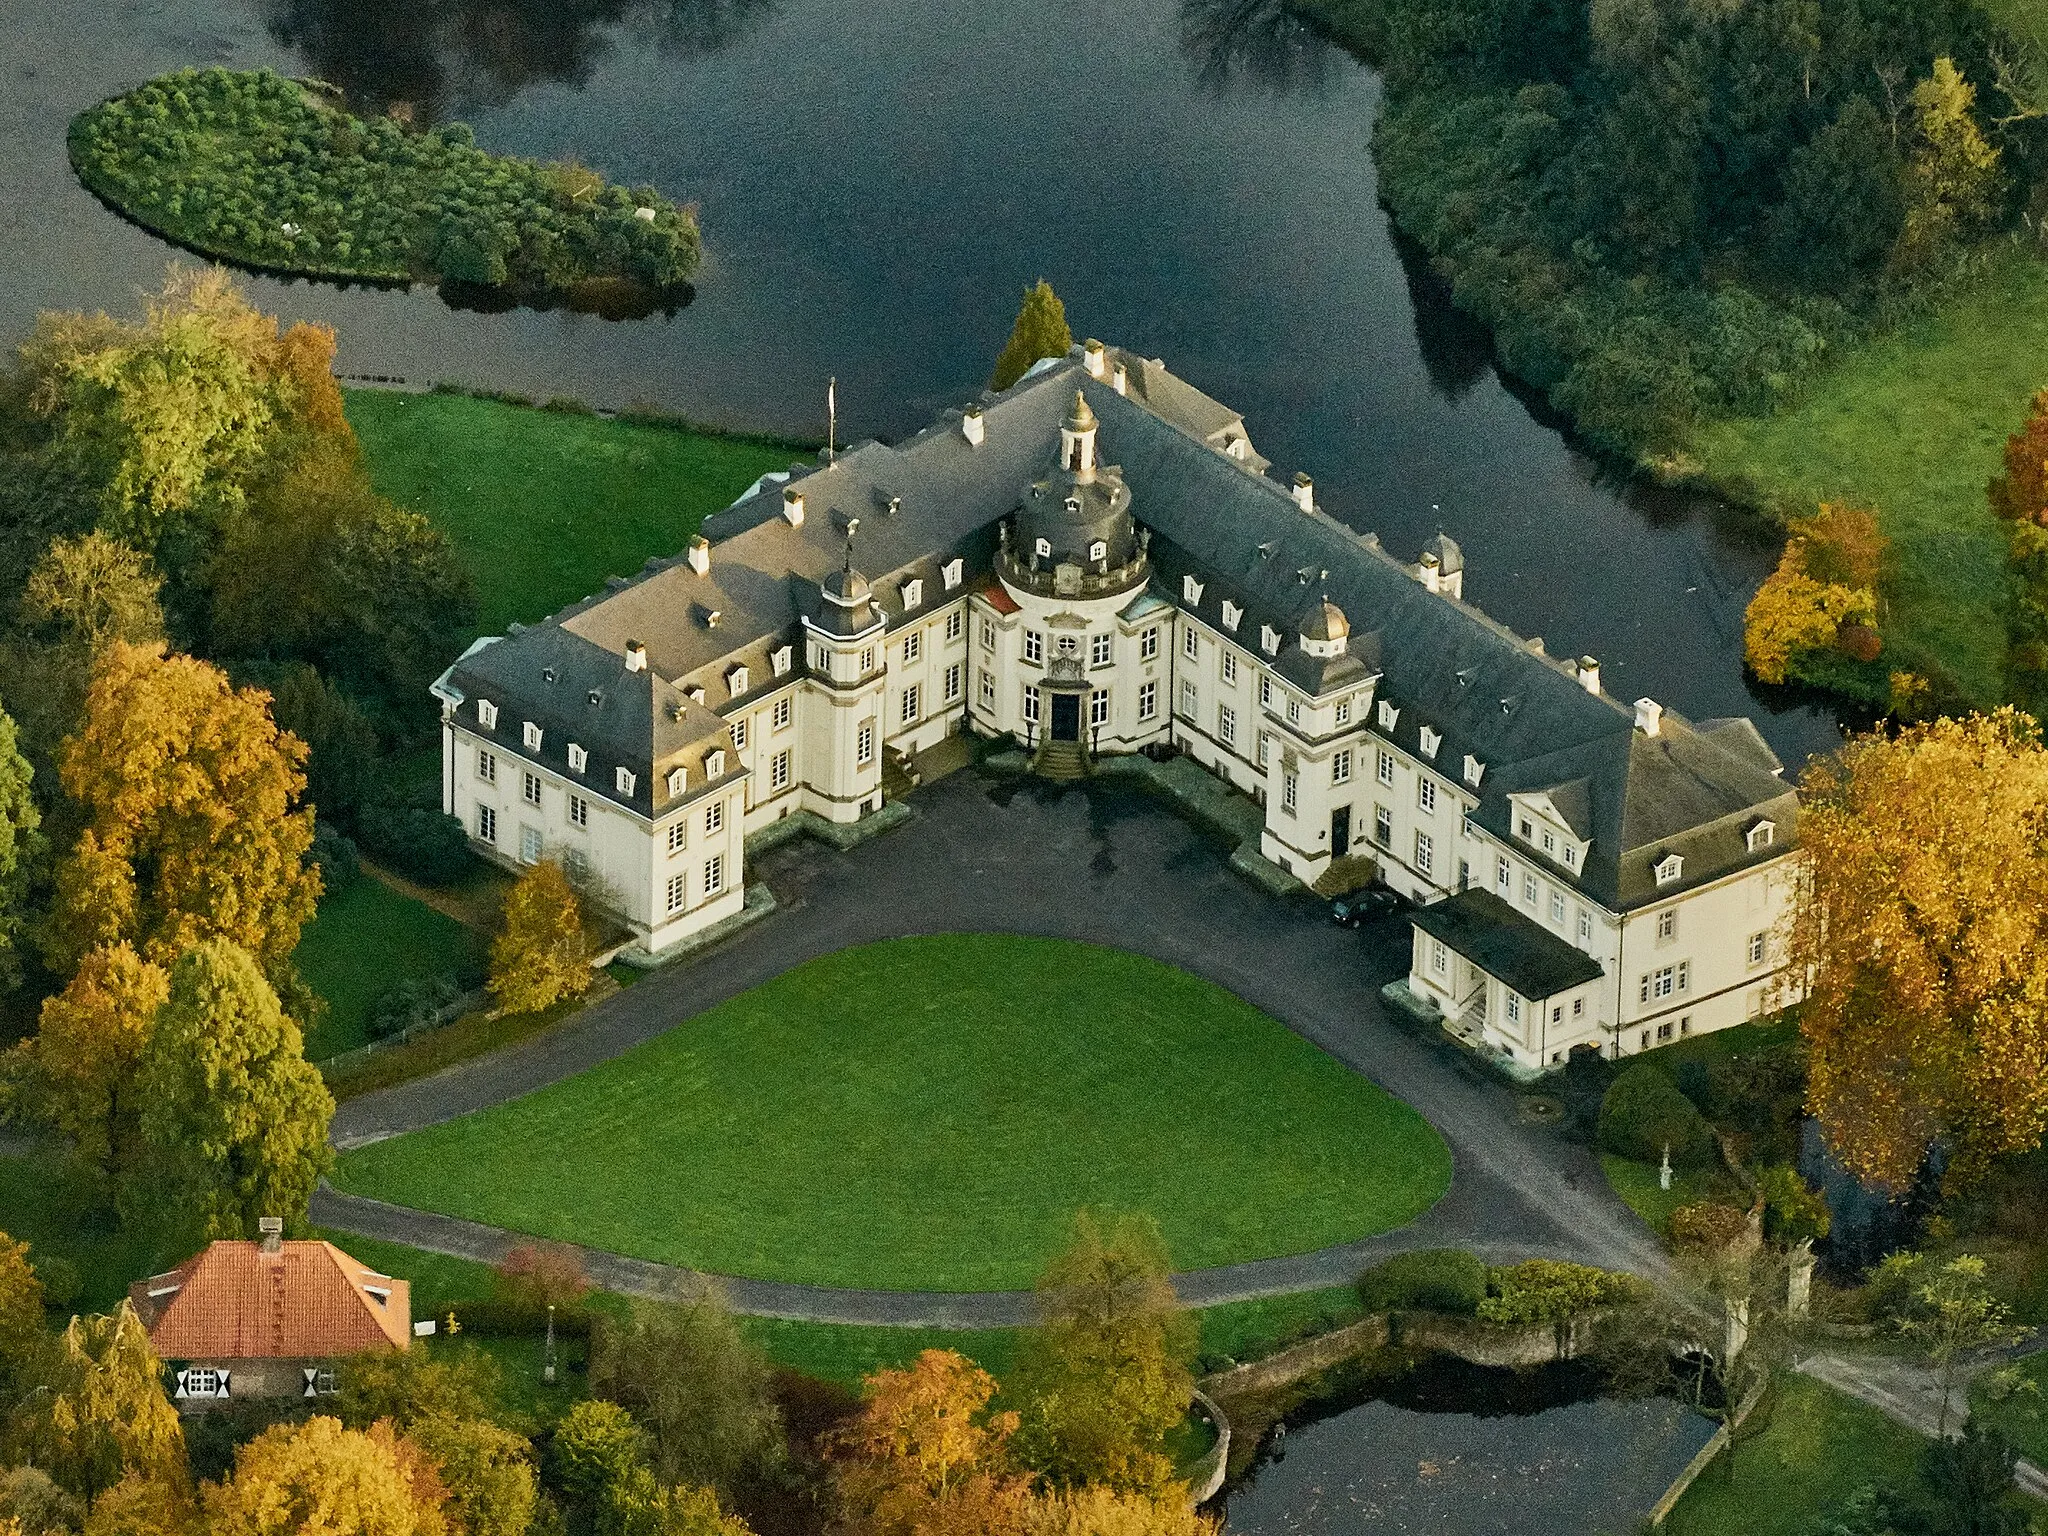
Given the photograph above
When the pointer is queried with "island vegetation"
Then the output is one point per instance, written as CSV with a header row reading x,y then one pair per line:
x,y
275,174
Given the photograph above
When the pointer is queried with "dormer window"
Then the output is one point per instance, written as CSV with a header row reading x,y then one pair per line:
x,y
1191,590
487,714
781,660
1431,740
625,780
1571,855
530,734
714,764
950,573
579,760
1475,770
1099,550
1232,615
1043,549
678,781
1388,715
1762,835
913,594
736,681
1669,868
695,695
1269,640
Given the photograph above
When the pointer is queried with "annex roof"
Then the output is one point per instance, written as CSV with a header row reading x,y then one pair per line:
x,y
308,1300
1523,955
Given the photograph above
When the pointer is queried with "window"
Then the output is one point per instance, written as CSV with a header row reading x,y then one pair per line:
x,y
1514,1009
1525,829
1340,767
1386,768
1571,855
1148,644
1557,907
1030,705
1042,548
529,845
1503,876
739,734
867,660
1475,770
1667,923
1034,647
913,646
1098,550
864,743
1266,691
736,682
1294,711
910,704
1190,644
1229,666
1069,645
487,767
1669,868
1191,589
1425,854
1425,792
1549,841
778,717
579,760
955,625
1685,975
714,875
988,635
1269,640
1663,1033
1383,826
714,817
486,824
1098,707
487,714
529,788
1388,715
1190,698
956,675
1232,615
778,770
781,661
1759,946
1658,984
1578,1007
530,734
678,781
1226,725
1557,1013
1761,835
678,892
198,1381
1148,700
913,594
1439,957
949,573
678,834
579,811
1528,890
1585,926
714,765
1431,740
985,690
1290,791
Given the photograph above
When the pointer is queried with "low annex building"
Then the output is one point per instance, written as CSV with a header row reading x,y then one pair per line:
x,y
1093,562
267,1319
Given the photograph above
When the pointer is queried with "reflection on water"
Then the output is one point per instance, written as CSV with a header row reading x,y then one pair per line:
x,y
1265,42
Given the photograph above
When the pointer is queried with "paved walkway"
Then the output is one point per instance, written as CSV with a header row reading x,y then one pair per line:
x,y
1105,866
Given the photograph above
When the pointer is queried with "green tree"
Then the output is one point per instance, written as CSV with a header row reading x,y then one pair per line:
x,y
1844,199
99,1409
1040,332
1104,1379
1971,1479
234,1119
21,1309
21,847
1953,1313
404,1385
689,1377
90,590
1552,1291
1952,175
541,954
487,1471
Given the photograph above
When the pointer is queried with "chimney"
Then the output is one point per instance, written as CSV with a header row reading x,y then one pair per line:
x,y
271,1229
1589,675
636,656
1649,716
1120,381
971,426
1430,572
1304,491
700,555
1093,358
792,506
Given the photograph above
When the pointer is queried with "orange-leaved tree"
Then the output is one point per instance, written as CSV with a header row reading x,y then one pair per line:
x,y
1922,932
1825,587
193,829
2019,496
925,1457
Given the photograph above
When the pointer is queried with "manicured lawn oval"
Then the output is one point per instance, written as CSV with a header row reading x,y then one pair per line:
x,y
928,1114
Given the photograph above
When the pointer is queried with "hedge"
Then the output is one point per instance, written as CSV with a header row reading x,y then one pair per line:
x,y
1445,1280
1643,1113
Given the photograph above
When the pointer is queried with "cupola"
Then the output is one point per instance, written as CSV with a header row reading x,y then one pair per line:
x,y
1077,440
1325,631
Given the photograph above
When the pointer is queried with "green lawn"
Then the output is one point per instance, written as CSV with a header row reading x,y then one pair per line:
x,y
929,1113
1637,1184
1913,424
1815,1449
544,505
364,940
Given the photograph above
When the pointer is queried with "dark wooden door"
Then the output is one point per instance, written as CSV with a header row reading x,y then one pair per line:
x,y
1340,831
1066,717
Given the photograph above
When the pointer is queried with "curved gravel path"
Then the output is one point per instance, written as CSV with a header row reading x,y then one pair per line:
x,y
1109,866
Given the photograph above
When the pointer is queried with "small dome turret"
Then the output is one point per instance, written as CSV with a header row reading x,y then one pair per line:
x,y
1324,630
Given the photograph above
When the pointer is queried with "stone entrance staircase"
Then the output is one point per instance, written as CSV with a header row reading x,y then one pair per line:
x,y
1063,760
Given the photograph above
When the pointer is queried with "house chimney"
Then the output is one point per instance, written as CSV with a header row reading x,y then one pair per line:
x,y
1430,572
1120,381
792,506
700,555
271,1229
972,427
1589,675
1649,716
1304,491
1093,358
636,656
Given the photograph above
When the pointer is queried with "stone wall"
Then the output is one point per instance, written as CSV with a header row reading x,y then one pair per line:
x,y
1493,1344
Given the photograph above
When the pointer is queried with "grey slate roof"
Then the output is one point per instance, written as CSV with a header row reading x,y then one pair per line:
x,y
935,497
1506,945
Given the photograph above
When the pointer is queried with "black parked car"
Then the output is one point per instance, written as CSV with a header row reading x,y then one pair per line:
x,y
1372,901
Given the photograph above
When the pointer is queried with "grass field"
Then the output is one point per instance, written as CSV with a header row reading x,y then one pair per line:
x,y
1816,1448
1637,1185
543,505
929,1113
1913,425
366,939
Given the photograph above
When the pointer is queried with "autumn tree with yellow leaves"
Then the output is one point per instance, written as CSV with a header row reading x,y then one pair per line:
x,y
1923,935
926,1457
82,1061
318,1476
541,954
97,1411
1823,593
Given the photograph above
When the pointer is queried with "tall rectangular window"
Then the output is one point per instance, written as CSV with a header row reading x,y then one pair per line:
x,y
1034,647
913,646
1294,711
1557,907
1030,705
1383,826
1585,926
1425,853
910,704
779,716
1148,700
1100,649
1098,707
1667,923
954,674
867,661
988,635
1528,890
1386,767
714,817
986,689
864,743
1425,792
714,874
1439,957
739,734
1503,876
954,625
1190,644
1290,792
1340,767
1265,748
1343,711
1190,699
778,770
1226,725
678,892
678,835
1148,644
529,845
579,811
1229,666
1265,691
486,766
1758,946
487,823
531,789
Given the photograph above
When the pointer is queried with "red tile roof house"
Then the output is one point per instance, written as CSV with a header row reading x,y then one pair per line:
x,y
268,1319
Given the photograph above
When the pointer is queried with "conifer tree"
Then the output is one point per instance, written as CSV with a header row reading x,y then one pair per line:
x,y
1040,332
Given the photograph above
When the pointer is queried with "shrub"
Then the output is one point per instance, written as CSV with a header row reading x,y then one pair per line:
x,y
1552,1291
334,854
419,843
1707,1226
415,1003
1793,1212
61,1281
536,1276
1643,1113
1428,1280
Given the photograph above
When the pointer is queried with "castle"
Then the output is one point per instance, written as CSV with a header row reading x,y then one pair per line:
x,y
1586,872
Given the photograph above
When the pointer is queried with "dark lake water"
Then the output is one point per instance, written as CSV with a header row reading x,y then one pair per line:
x,y
877,183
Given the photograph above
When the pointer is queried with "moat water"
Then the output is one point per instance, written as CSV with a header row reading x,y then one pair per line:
x,y
879,181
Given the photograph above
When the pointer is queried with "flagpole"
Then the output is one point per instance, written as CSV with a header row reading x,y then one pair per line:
x,y
831,418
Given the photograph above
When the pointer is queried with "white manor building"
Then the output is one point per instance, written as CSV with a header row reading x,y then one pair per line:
x,y
1587,872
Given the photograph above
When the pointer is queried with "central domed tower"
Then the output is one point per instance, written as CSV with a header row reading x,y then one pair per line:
x,y
1074,536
